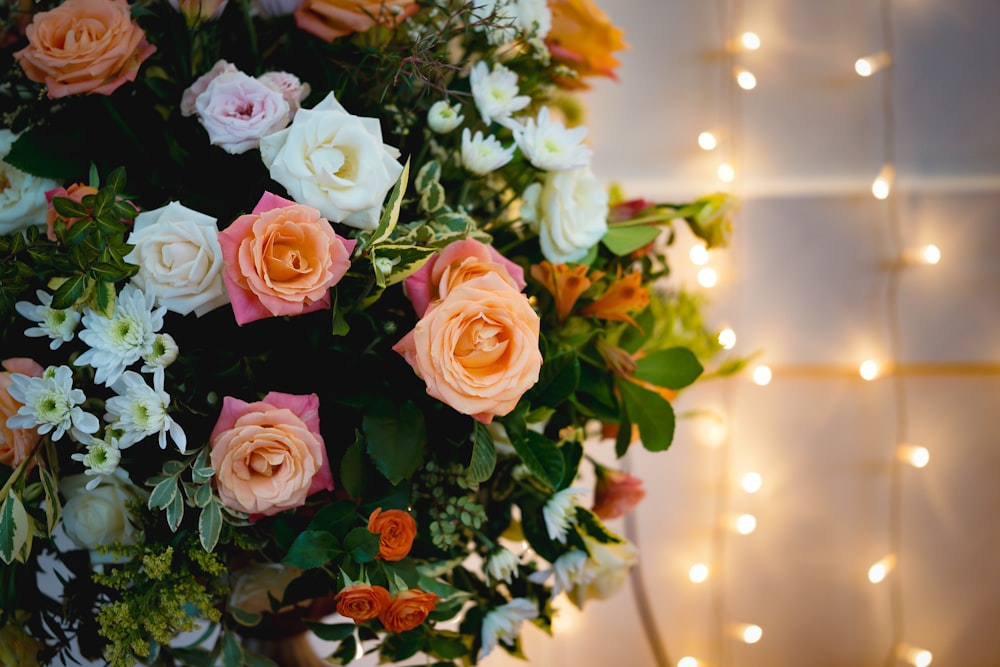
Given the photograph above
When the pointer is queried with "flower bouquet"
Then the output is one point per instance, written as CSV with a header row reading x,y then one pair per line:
x,y
309,311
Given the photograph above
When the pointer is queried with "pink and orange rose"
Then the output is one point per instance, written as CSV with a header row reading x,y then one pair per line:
x,y
330,19
269,455
282,259
16,444
84,47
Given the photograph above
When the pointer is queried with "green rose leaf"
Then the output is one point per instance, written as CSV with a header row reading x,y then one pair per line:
x,y
232,652
484,455
313,548
652,413
557,380
396,436
362,545
673,368
542,457
625,240
331,633
210,524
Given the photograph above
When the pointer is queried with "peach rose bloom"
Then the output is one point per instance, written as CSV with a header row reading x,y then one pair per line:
x,y
458,262
269,456
583,38
281,259
396,530
477,349
84,46
408,610
16,444
330,19
362,602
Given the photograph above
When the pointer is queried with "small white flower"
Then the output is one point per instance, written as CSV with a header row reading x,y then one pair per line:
x,y
550,145
504,623
102,459
497,18
559,512
56,323
51,403
569,570
162,353
481,155
496,92
140,411
118,341
502,565
443,117
533,17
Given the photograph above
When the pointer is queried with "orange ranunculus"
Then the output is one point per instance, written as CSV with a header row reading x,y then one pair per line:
x,y
396,530
616,493
16,444
330,19
84,46
583,38
624,296
362,602
566,283
408,610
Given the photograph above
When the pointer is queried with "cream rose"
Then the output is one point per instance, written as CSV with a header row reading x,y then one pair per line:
x,y
179,258
334,162
477,349
253,586
570,213
99,516
22,196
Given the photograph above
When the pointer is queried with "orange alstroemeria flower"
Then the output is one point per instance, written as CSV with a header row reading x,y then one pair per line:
x,y
583,38
625,295
564,282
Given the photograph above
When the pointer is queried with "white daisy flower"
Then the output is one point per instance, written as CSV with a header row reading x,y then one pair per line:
x,y
51,403
496,93
504,623
502,565
162,353
139,411
550,145
122,339
533,17
442,117
481,155
102,459
569,569
56,323
497,18
558,513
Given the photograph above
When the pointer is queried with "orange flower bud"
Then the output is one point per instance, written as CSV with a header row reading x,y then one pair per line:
x,y
396,531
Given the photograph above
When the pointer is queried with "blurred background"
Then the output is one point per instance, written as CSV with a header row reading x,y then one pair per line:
x,y
821,276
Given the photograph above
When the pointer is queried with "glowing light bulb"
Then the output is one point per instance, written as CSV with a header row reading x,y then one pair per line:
x,y
752,482
882,185
746,80
881,568
915,455
932,254
726,173
746,524
698,573
870,64
687,661
707,277
698,254
918,657
727,339
712,432
752,633
762,375
750,40
707,141
868,370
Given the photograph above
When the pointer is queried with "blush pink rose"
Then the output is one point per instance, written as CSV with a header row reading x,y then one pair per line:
x,y
458,262
477,349
269,456
237,110
617,493
84,46
290,87
192,92
16,444
282,259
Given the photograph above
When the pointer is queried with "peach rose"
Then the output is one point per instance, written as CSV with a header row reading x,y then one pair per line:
x,y
281,260
362,602
269,456
477,349
396,530
330,19
458,262
16,444
616,493
407,610
583,38
84,46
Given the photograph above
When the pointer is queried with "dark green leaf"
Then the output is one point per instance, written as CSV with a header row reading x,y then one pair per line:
x,y
429,173
399,647
448,646
362,545
351,468
313,548
572,455
79,231
53,508
542,457
14,528
484,455
116,180
340,326
335,518
246,618
232,652
210,524
254,659
557,380
593,526
195,657
43,152
163,494
396,436
331,633
346,652
175,512
68,208
673,368
651,413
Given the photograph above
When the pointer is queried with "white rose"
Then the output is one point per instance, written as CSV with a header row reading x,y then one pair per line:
x,y
254,585
569,211
179,258
334,162
99,516
22,196
605,571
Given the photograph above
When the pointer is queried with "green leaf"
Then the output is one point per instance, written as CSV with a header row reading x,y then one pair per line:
x,y
572,452
335,518
541,456
428,174
116,180
232,652
400,646
651,412
673,368
103,201
346,652
331,633
53,507
362,545
14,528
202,495
623,439
390,213
594,527
351,468
340,326
403,260
68,208
313,548
396,436
49,154
557,380
432,199
246,618
448,646
484,455
175,512
626,240
163,494
69,292
196,657
210,524
254,659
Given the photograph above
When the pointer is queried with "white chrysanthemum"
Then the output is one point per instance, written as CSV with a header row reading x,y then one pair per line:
x,y
550,145
504,623
502,565
569,570
118,341
51,403
139,411
102,459
496,92
497,18
558,512
442,117
533,17
56,323
482,155
162,353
